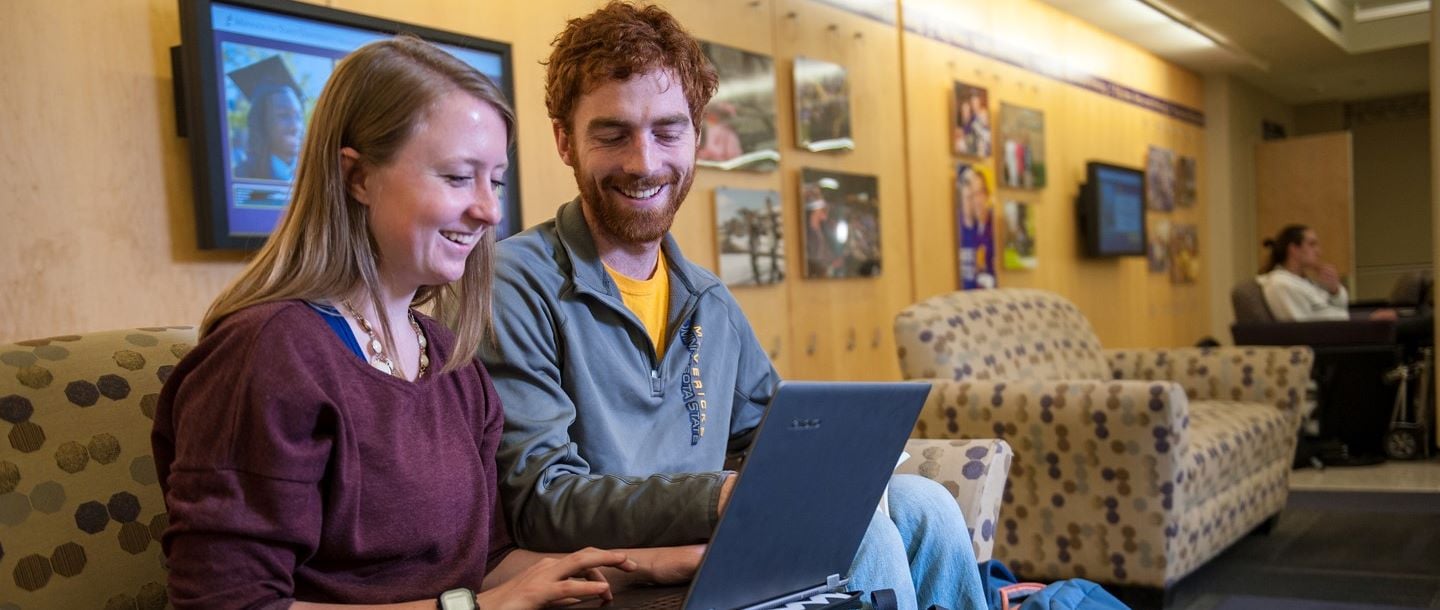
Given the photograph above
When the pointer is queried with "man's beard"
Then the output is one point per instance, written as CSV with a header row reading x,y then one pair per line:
x,y
623,221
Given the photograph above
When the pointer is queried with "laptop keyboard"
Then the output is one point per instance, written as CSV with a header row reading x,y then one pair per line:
x,y
669,602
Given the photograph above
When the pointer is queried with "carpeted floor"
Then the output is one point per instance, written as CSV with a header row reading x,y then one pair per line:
x,y
1330,551
1251,602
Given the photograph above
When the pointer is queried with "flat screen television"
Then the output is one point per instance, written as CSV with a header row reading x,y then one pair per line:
x,y
247,75
1112,210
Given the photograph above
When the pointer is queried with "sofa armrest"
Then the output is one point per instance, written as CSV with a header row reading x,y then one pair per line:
x,y
1267,375
1097,470
974,472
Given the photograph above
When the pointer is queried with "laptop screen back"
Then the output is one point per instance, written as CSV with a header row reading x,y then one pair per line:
x,y
814,476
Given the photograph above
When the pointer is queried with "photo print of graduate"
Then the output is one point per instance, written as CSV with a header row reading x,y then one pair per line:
x,y
1019,250
975,225
739,126
822,106
1160,179
971,131
751,245
1022,146
841,216
269,95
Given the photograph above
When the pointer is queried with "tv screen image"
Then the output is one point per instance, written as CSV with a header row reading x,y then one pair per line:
x,y
252,71
1112,208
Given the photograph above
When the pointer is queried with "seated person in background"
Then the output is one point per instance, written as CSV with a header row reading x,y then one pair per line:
x,y
299,468
630,372
1300,287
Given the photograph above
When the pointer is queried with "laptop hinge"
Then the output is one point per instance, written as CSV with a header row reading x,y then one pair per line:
x,y
832,584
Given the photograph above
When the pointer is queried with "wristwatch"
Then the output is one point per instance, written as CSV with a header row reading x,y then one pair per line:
x,y
457,599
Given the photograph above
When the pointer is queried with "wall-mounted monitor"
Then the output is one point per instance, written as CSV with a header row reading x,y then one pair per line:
x,y
248,73
1111,210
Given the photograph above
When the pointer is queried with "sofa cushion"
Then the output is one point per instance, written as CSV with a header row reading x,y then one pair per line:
x,y
1229,440
998,334
81,511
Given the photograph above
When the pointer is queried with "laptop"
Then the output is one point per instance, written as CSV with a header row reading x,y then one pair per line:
x,y
820,461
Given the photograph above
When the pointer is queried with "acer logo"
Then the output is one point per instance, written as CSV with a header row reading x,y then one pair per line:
x,y
804,424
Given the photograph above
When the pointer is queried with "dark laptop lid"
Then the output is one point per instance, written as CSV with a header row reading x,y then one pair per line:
x,y
814,476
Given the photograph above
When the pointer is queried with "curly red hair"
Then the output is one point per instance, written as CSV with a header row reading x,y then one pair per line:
x,y
619,41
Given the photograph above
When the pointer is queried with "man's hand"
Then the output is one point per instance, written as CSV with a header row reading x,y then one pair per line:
x,y
670,565
726,488
561,581
1327,277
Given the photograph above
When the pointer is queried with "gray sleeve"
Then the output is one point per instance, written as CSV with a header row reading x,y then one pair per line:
x,y
755,383
553,502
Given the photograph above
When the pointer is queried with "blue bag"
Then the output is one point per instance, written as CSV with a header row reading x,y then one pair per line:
x,y
1004,592
1072,594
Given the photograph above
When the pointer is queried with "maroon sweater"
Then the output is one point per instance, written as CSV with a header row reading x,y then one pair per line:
x,y
292,470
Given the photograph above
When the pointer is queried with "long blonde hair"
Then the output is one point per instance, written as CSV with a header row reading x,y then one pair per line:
x,y
323,248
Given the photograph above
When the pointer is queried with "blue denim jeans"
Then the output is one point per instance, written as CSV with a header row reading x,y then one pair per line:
x,y
922,551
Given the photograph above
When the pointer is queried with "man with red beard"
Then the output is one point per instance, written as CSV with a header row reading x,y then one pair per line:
x,y
629,374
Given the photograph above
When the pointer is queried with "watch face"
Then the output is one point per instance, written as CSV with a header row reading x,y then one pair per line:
x,y
457,599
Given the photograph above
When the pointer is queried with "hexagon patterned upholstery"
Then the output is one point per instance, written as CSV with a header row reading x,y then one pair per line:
x,y
81,511
974,472
80,508
1131,466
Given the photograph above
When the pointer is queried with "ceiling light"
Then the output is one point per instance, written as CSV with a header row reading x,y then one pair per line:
x,y
1199,28
1364,14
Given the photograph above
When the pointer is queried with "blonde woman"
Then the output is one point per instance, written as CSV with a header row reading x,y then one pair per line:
x,y
325,443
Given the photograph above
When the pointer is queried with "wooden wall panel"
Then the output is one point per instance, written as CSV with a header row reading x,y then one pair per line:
x,y
842,327
767,307
1128,305
100,224
1309,180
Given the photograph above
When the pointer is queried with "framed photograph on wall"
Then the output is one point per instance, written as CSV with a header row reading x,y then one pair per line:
x,y
1185,195
1019,250
975,225
750,243
841,216
1022,147
1184,254
822,106
971,131
739,126
1160,179
1157,251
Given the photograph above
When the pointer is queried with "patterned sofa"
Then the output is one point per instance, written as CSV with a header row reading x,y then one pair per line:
x,y
80,508
1132,467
